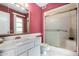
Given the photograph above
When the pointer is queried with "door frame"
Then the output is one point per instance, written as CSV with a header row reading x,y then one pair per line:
x,y
78,29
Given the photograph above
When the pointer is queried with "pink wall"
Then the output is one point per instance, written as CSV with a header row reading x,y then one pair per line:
x,y
35,18
53,5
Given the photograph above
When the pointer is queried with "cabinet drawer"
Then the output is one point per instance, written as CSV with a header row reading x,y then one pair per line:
x,y
25,47
9,53
34,51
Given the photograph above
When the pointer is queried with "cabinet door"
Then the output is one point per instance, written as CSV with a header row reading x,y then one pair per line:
x,y
4,23
24,54
34,51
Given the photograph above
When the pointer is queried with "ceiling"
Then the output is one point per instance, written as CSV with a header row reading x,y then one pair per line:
x,y
23,6
16,8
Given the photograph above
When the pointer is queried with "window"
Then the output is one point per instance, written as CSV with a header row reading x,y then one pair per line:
x,y
18,25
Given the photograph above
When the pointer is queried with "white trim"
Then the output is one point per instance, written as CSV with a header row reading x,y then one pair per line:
x,y
77,29
18,14
15,25
28,23
61,9
28,30
44,29
29,20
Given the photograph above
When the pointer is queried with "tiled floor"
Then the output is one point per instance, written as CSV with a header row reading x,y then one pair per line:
x,y
54,51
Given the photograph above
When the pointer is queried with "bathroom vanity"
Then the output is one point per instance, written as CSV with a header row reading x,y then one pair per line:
x,y
21,45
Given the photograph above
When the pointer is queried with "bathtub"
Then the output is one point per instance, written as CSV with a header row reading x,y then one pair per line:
x,y
47,50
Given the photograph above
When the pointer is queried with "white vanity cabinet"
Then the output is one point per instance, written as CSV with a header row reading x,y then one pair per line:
x,y
34,51
4,23
21,45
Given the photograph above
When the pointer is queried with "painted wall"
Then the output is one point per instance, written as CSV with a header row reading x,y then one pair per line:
x,y
6,9
35,18
53,5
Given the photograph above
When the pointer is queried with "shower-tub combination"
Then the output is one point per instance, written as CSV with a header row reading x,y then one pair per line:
x,y
60,30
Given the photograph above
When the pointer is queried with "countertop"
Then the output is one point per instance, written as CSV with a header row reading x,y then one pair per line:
x,y
5,35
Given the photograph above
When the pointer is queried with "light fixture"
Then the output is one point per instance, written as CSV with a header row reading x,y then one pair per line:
x,y
17,5
26,5
23,6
